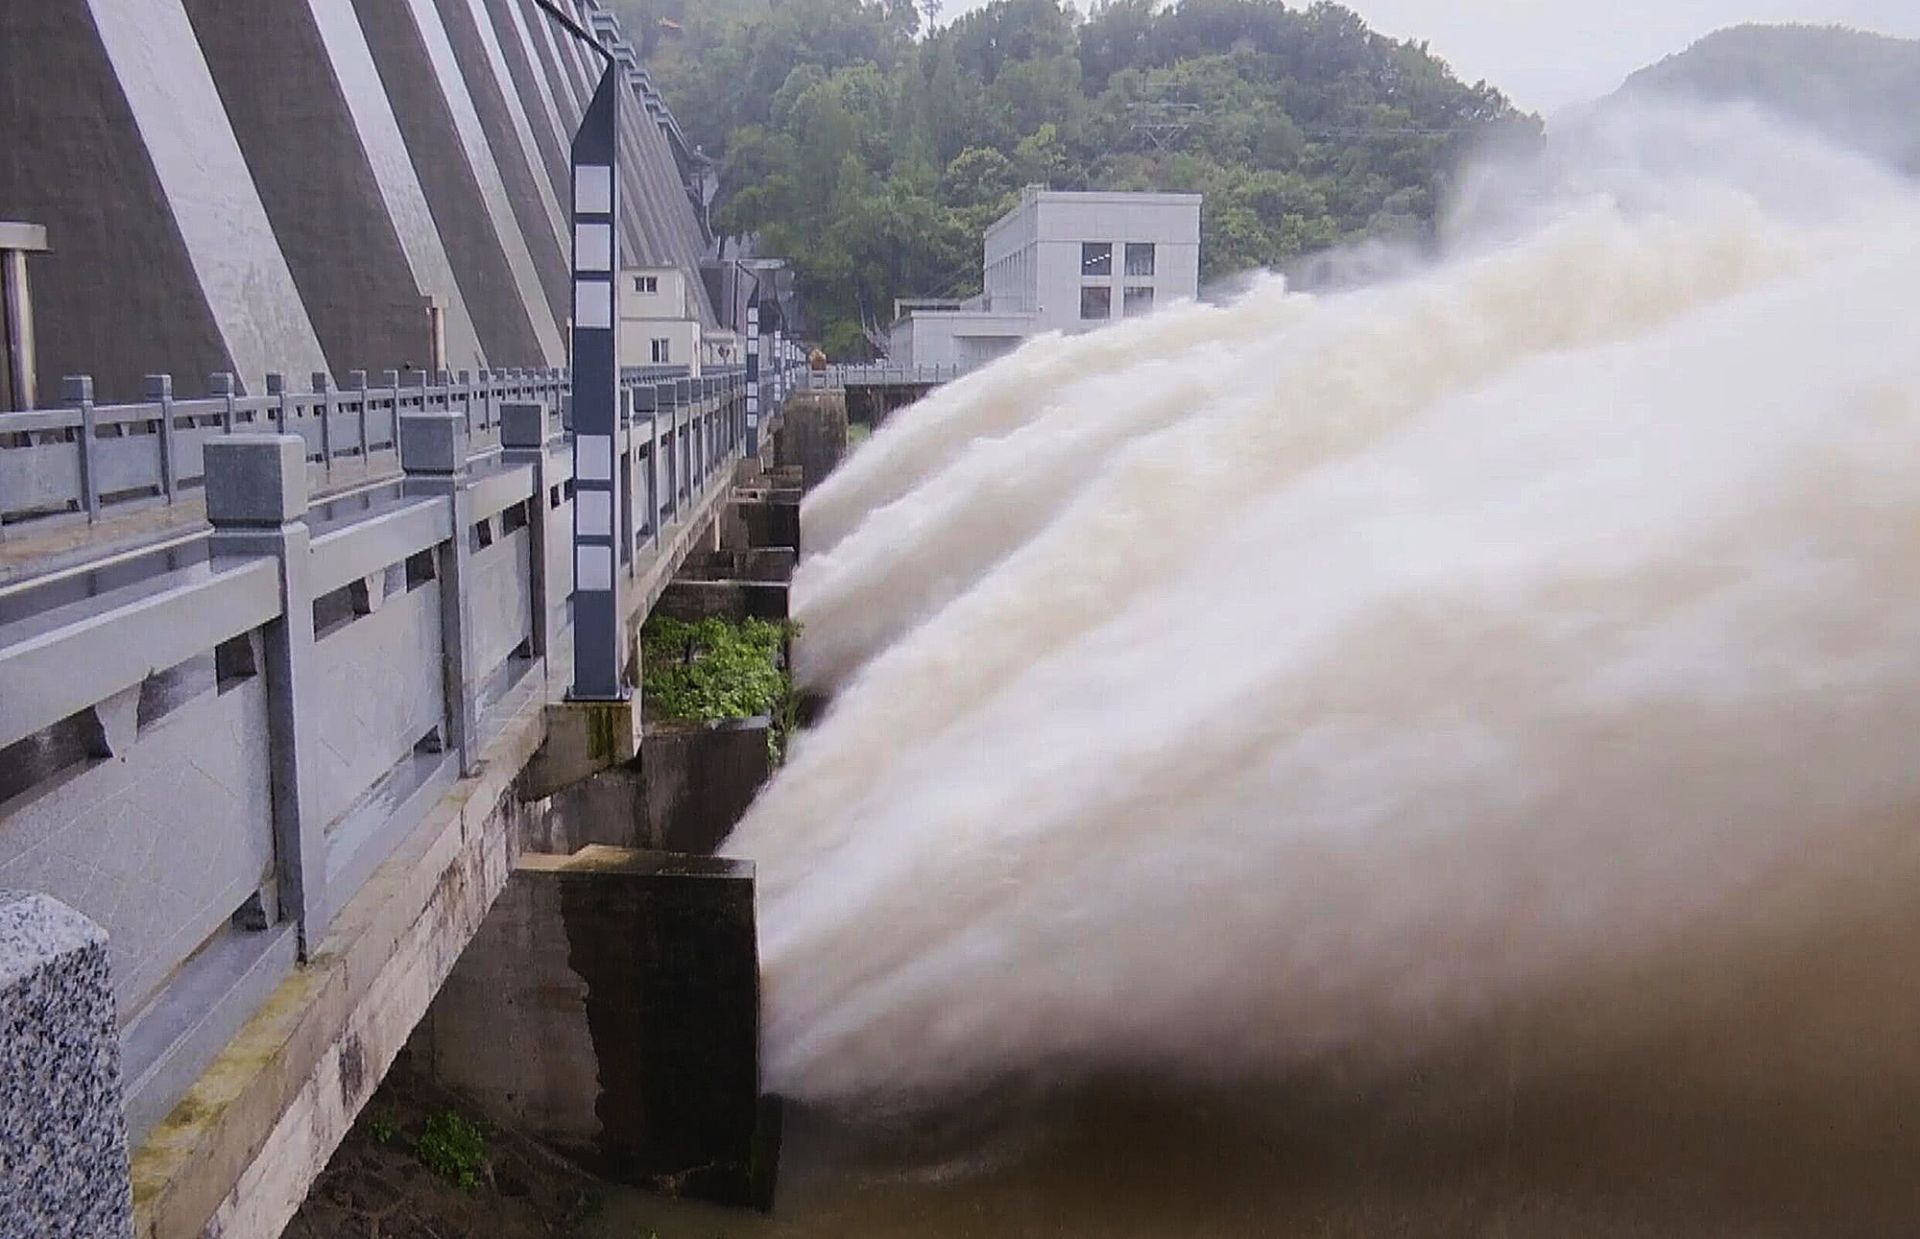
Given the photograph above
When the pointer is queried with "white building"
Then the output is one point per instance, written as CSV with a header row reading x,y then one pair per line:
x,y
1061,262
659,324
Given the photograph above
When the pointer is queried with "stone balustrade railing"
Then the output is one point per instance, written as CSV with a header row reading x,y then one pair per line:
x,y
207,747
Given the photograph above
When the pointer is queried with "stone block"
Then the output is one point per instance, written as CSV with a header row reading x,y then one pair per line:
x,y
751,524
692,601
814,436
523,424
63,1146
610,1005
583,739
691,786
433,443
256,479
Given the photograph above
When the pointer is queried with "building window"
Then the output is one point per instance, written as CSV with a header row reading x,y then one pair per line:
x,y
1139,258
662,350
1096,301
646,284
1138,300
1096,258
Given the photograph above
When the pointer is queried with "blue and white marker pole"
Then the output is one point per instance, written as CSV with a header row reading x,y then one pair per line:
x,y
753,374
598,486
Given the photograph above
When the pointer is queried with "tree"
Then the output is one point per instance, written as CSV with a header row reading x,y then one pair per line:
x,y
873,147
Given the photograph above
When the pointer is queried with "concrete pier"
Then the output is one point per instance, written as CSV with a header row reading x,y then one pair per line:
x,y
610,1006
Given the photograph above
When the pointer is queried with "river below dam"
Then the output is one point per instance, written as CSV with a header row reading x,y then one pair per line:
x,y
1765,1092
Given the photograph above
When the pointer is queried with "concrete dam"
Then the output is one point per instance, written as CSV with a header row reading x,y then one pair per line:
x,y
307,188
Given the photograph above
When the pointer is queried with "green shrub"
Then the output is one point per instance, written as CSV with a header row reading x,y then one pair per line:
x,y
453,1147
717,669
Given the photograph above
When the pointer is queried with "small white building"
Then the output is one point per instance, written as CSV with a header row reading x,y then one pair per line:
x,y
1061,262
659,325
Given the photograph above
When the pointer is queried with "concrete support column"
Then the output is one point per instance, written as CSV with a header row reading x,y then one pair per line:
x,y
256,497
17,380
64,1172
433,455
523,441
610,1006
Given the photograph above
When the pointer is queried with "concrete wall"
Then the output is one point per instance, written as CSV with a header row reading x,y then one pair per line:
x,y
610,1005
261,188
962,338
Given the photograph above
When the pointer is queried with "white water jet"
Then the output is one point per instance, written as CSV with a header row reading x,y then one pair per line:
x,y
1508,623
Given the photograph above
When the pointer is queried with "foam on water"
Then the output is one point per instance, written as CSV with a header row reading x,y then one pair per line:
x,y
1311,677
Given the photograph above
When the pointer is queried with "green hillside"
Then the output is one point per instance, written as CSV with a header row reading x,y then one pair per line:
x,y
875,156
1860,89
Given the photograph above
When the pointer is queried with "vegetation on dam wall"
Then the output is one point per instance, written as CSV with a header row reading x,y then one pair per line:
x,y
719,669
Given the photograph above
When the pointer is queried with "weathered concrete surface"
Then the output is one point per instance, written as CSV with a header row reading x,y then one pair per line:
x,y
610,1005
692,601
63,1143
583,738
769,520
698,779
814,436
692,784
766,563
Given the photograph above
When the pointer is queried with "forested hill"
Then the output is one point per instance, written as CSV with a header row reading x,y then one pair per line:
x,y
875,154
1862,90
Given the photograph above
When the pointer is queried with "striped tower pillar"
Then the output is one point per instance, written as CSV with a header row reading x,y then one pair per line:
x,y
597,665
779,367
753,374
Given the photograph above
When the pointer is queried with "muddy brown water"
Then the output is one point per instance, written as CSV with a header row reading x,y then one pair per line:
x,y
1768,1086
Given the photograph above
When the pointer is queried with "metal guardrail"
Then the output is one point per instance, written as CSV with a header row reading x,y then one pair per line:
x,y
881,375
208,746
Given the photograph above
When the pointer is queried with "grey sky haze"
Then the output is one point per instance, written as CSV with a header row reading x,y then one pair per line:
x,y
1547,54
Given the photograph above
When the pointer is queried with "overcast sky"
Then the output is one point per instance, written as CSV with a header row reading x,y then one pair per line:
x,y
1547,54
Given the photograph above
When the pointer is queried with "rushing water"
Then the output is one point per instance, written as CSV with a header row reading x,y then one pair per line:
x,y
1442,757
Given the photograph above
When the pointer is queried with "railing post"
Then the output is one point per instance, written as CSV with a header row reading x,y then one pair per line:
x,y
77,391
489,413
433,454
256,487
357,384
323,409
523,441
623,485
277,388
436,331
663,403
221,384
160,391
643,406
690,483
